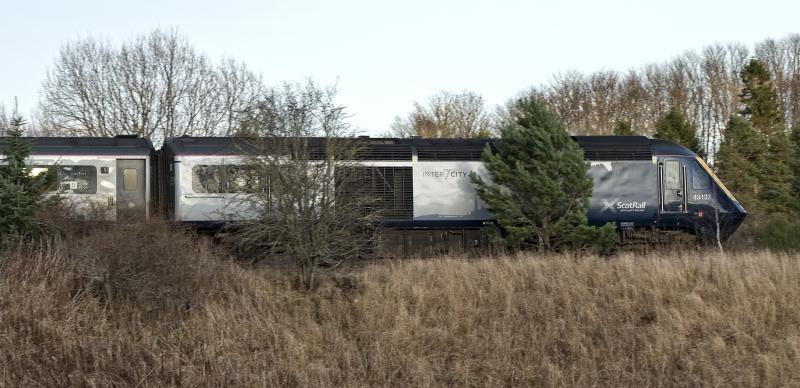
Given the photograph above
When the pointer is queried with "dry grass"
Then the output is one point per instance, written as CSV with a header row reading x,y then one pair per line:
x,y
554,321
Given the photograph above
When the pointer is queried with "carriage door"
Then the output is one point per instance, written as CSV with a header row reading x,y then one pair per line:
x,y
672,176
131,204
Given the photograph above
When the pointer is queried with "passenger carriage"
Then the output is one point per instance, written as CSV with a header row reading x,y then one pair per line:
x,y
103,178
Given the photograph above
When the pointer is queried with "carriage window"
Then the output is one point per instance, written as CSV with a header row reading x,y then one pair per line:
x,y
672,175
77,179
242,179
39,170
207,179
700,180
51,172
130,179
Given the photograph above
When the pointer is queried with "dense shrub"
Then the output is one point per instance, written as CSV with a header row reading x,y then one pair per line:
x,y
779,232
154,266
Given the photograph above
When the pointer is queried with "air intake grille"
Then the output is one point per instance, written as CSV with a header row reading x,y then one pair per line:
x,y
444,152
617,152
385,152
389,189
371,152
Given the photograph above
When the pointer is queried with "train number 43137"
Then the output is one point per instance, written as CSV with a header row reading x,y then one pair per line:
x,y
701,197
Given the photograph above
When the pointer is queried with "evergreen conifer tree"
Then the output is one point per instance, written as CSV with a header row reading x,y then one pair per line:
x,y
796,165
740,160
761,108
673,126
623,128
20,191
539,186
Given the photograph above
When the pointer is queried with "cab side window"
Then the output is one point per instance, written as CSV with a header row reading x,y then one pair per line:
x,y
700,180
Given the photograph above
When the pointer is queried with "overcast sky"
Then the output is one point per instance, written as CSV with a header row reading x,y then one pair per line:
x,y
385,54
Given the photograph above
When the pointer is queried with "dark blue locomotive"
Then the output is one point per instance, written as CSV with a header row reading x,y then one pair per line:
x,y
655,185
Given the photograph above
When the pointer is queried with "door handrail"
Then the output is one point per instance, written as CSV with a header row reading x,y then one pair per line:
x,y
661,186
685,191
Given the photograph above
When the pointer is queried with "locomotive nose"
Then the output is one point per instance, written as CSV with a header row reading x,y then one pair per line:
x,y
729,221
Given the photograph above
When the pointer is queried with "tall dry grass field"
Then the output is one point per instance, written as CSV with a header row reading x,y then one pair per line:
x,y
155,307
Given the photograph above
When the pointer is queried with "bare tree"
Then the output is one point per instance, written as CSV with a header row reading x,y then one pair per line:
x,y
29,126
311,198
155,85
565,96
633,97
446,115
782,58
240,89
604,102
5,121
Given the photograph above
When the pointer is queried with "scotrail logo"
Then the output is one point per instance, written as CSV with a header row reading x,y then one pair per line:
x,y
616,206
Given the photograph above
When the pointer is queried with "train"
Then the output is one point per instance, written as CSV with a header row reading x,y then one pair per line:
x,y
652,189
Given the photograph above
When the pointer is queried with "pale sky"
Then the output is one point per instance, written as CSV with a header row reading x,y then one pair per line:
x,y
384,55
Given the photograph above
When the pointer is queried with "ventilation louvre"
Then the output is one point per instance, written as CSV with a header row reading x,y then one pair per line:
x,y
384,152
449,152
619,152
391,187
610,148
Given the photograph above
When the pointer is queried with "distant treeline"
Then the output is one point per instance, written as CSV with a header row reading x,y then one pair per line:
x,y
158,85
704,86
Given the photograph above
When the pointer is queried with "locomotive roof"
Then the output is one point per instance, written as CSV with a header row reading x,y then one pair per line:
x,y
121,145
628,147
595,147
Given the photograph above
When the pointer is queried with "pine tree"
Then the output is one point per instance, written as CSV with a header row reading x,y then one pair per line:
x,y
623,128
740,160
760,99
761,108
540,188
20,191
673,126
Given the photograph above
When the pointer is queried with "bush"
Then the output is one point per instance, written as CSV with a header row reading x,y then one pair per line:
x,y
153,266
781,232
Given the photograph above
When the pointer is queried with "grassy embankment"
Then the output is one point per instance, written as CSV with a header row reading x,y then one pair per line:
x,y
151,307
